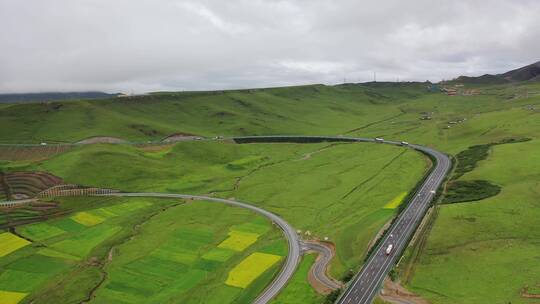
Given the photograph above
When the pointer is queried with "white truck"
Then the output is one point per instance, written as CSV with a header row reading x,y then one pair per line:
x,y
389,249
379,139
404,143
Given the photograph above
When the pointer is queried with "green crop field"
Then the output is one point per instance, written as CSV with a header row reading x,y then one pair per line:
x,y
146,248
330,190
176,257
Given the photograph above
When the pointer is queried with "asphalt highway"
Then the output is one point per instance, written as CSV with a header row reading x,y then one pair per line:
x,y
365,285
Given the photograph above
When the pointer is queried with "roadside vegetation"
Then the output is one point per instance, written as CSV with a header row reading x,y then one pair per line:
x,y
298,290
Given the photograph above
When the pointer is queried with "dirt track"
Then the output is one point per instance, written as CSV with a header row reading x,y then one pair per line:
x,y
393,292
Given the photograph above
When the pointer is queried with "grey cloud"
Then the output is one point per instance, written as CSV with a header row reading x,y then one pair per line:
x,y
138,46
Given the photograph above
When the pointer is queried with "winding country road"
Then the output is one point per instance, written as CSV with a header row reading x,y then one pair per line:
x,y
365,285
318,270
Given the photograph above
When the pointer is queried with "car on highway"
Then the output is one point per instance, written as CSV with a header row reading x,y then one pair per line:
x,y
404,143
379,139
389,249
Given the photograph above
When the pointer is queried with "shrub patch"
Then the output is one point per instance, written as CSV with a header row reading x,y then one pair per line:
x,y
467,191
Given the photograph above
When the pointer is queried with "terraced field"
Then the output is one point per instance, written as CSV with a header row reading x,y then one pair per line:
x,y
20,185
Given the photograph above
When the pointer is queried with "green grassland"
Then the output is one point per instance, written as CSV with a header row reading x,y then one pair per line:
x,y
344,186
270,175
315,109
333,190
298,290
486,252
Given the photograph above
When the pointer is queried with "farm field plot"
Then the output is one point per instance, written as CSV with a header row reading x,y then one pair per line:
x,y
40,231
250,268
10,243
9,297
55,249
176,257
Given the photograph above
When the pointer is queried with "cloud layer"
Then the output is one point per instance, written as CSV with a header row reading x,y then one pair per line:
x,y
148,45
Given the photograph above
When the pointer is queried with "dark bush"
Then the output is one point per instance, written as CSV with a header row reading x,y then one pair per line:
x,y
332,297
467,191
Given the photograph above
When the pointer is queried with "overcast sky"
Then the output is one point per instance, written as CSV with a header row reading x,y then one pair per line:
x,y
148,45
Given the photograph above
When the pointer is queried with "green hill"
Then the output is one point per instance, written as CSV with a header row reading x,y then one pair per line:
x,y
474,249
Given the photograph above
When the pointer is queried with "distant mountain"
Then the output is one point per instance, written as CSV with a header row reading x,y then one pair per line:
x,y
49,96
527,73
530,72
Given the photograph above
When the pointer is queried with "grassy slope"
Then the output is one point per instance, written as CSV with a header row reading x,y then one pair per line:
x,y
487,252
366,110
298,290
342,186
307,110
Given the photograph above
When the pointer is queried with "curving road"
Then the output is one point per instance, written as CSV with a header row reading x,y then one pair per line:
x,y
318,270
293,258
365,285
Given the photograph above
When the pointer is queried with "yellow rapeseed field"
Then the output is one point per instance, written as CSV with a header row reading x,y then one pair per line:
x,y
10,297
10,243
393,204
251,268
239,240
87,219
